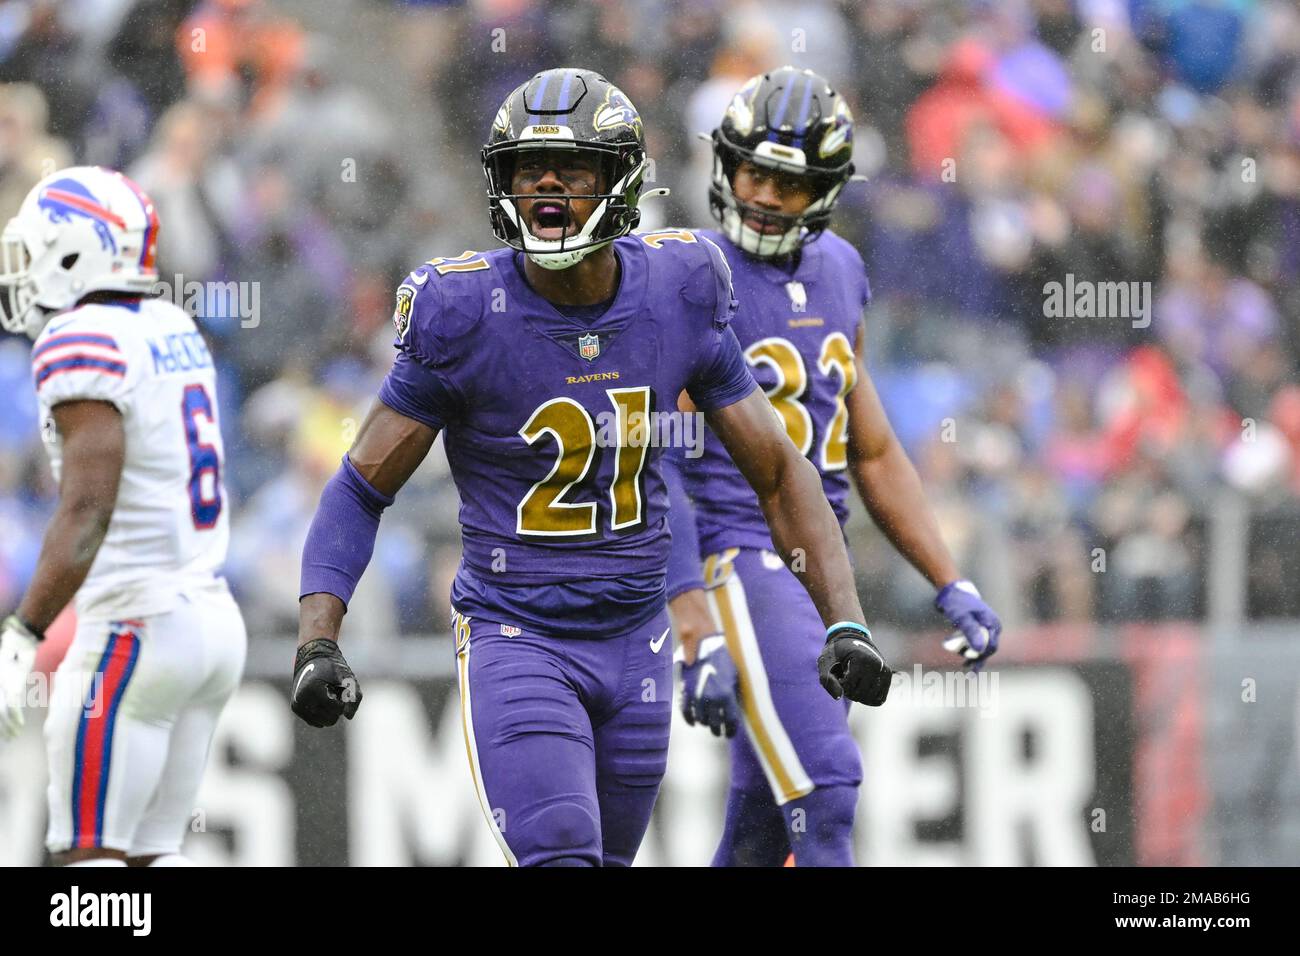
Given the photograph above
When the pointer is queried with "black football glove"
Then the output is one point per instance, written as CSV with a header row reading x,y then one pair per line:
x,y
323,684
851,665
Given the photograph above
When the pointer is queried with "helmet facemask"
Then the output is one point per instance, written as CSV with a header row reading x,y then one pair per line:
x,y
616,197
33,289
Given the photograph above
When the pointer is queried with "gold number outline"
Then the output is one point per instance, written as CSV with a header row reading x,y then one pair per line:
x,y
624,427
784,394
555,502
837,433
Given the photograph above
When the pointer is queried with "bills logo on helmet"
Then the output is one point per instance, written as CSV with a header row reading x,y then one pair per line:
x,y
63,199
402,311
589,346
616,110
838,135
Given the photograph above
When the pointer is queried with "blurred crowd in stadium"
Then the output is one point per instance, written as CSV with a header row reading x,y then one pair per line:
x,y
317,151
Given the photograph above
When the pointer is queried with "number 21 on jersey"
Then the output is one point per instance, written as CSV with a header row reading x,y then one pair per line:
x,y
543,511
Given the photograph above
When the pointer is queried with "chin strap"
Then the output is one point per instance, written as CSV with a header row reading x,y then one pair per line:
x,y
556,261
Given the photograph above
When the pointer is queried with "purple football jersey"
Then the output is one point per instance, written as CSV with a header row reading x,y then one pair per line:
x,y
798,332
562,509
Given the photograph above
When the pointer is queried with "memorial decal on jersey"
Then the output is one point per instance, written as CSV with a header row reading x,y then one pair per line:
x,y
589,346
402,311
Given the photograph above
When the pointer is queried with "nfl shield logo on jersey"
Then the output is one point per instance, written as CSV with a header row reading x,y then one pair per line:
x,y
798,296
589,346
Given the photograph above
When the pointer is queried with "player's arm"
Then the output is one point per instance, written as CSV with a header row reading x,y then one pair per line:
x,y
892,492
807,536
708,676
388,449
94,449
804,529
692,621
889,485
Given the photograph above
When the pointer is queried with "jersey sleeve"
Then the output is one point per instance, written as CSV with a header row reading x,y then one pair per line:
x,y
419,392
420,384
725,304
81,360
722,376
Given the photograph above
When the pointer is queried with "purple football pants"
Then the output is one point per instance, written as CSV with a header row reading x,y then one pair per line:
x,y
796,768
567,738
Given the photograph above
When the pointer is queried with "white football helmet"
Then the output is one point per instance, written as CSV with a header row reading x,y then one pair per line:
x,y
83,229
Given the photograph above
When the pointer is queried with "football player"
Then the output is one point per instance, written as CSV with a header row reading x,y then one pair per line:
x,y
540,363
751,643
128,406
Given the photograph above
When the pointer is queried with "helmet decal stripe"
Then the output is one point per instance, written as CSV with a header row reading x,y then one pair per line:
x,y
801,125
781,107
540,102
150,243
562,104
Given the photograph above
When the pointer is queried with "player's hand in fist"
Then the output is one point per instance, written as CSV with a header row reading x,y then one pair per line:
x,y
323,684
977,626
709,694
17,654
852,666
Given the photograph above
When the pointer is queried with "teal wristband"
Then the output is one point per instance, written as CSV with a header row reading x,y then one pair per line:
x,y
850,625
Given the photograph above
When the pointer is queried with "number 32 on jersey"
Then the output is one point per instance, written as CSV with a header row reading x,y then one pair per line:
x,y
834,358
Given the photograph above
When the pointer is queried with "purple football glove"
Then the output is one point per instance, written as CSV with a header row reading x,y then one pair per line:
x,y
709,693
978,627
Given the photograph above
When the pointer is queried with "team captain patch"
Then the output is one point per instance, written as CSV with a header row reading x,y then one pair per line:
x,y
402,312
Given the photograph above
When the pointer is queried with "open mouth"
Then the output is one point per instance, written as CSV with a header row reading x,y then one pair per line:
x,y
766,225
550,219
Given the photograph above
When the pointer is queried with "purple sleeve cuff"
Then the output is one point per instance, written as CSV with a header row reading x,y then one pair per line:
x,y
342,535
684,558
